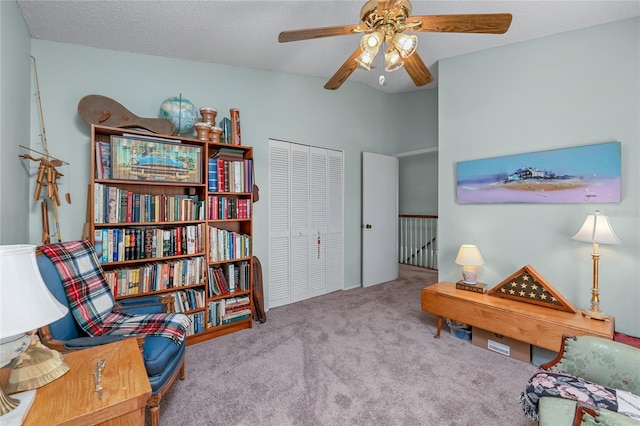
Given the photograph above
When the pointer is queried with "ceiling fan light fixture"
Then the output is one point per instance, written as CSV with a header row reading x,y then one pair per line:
x,y
366,58
392,59
371,41
405,44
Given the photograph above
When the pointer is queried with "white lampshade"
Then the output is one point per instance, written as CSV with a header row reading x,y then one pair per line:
x,y
469,255
25,301
597,229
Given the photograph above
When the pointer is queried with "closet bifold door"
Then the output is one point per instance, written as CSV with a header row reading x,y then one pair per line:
x,y
279,229
306,209
318,222
299,211
335,221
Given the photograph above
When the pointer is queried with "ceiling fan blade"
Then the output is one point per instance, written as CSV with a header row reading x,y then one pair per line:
x,y
311,33
344,71
489,23
417,70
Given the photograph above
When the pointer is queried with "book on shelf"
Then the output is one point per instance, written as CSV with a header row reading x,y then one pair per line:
x,y
476,288
103,160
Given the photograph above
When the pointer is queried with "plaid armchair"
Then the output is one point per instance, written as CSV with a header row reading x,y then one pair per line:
x,y
74,276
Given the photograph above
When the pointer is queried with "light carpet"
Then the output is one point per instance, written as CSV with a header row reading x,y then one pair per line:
x,y
358,357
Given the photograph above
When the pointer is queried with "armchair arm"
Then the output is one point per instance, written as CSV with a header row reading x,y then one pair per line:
x,y
588,415
583,408
89,342
147,304
80,343
49,341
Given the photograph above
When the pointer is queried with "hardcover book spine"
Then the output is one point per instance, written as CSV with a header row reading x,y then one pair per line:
x,y
476,288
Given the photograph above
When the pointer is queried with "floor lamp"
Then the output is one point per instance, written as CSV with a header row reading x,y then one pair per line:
x,y
597,230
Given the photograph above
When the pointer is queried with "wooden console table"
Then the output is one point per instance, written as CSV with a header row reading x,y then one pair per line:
x,y
72,400
537,325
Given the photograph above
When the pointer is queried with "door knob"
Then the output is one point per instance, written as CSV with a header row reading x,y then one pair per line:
x,y
367,226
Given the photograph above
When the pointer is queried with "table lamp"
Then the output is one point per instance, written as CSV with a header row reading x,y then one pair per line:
x,y
597,230
470,258
25,305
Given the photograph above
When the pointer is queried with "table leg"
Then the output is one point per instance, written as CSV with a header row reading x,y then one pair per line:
x,y
437,336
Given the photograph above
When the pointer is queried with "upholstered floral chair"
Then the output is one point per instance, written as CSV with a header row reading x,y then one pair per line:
x,y
592,381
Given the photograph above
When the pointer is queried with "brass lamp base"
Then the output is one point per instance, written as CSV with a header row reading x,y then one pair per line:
x,y
596,315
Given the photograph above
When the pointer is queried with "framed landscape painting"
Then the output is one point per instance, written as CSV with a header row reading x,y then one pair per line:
x,y
147,160
584,174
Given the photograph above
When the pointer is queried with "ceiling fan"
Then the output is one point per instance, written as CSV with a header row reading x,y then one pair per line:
x,y
383,23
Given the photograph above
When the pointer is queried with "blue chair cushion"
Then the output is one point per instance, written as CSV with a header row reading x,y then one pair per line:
x,y
158,351
162,375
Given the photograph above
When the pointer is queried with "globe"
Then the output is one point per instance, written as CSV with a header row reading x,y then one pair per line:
x,y
181,112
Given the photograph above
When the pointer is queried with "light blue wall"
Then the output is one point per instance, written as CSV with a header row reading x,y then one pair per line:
x,y
355,118
419,185
419,174
571,89
15,73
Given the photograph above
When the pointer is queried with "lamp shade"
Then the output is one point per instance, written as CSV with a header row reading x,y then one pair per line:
x,y
469,255
597,229
365,60
405,44
371,41
392,59
25,302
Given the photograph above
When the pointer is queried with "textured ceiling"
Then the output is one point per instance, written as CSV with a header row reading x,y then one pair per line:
x,y
245,33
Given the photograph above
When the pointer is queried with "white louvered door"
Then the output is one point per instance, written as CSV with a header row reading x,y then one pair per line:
x,y
318,222
299,209
279,244
335,227
312,226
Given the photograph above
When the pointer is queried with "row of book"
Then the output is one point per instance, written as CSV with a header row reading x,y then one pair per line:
x,y
188,300
222,207
156,276
230,310
229,176
228,245
134,243
116,205
228,278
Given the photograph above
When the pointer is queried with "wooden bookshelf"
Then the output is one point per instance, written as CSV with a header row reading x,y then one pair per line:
x,y
164,228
